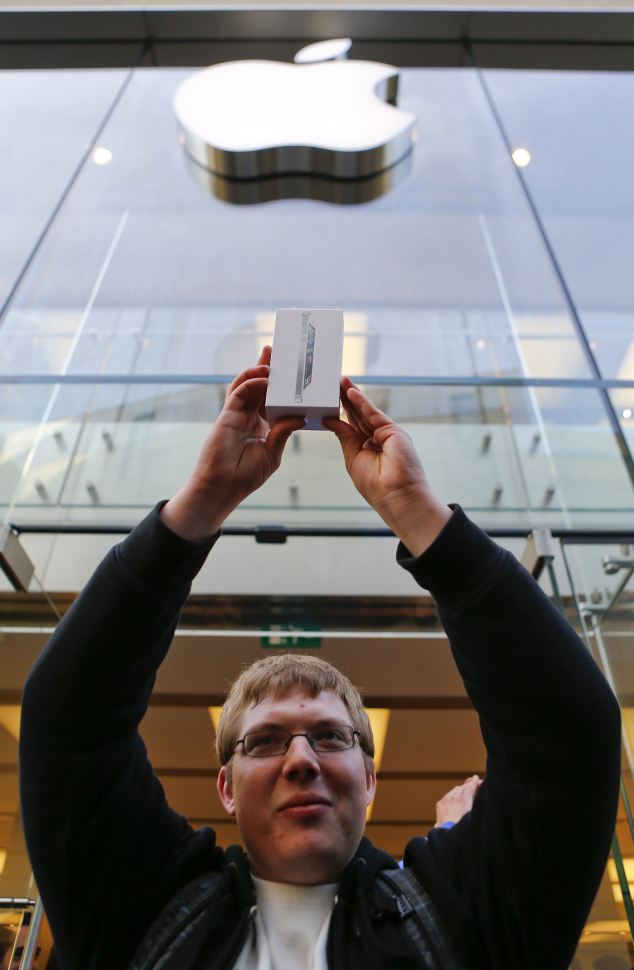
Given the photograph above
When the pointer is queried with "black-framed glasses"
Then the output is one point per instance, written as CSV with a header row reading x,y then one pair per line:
x,y
275,741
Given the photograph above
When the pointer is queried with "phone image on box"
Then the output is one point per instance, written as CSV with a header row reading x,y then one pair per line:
x,y
305,357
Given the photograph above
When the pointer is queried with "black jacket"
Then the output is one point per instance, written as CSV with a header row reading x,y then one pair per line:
x,y
513,881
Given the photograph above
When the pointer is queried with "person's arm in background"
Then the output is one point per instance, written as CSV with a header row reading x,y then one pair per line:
x,y
106,849
515,878
455,804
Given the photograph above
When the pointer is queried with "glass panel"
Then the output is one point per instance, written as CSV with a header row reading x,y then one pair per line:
x,y
605,943
601,576
580,176
142,278
623,403
47,121
17,654
603,581
511,456
142,272
14,927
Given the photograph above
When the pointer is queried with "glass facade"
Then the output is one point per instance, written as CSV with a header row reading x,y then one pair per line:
x,y
477,309
489,309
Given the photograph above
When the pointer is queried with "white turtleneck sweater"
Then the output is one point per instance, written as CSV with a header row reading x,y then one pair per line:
x,y
290,928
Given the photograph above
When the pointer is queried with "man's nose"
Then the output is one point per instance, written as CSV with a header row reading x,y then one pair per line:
x,y
300,757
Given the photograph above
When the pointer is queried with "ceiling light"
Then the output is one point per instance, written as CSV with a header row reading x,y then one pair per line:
x,y
214,714
613,876
521,157
627,412
10,720
379,720
101,156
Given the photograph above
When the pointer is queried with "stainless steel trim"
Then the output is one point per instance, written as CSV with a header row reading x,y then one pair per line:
x,y
31,940
280,159
299,186
298,159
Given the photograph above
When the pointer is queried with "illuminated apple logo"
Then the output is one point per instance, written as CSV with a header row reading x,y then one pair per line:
x,y
263,119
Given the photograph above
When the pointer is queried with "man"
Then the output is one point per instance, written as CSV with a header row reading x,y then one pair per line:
x,y
509,886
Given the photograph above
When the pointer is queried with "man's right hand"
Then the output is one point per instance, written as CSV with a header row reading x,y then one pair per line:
x,y
240,453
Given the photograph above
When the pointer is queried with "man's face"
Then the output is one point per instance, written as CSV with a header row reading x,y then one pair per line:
x,y
301,814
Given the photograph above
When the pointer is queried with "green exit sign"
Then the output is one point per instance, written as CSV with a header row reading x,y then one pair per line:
x,y
285,637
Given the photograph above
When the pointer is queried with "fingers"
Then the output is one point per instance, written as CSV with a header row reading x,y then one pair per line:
x,y
265,355
360,410
279,435
260,370
352,417
374,424
264,359
250,394
350,439
366,413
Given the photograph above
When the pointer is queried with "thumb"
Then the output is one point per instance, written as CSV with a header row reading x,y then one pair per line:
x,y
349,439
279,435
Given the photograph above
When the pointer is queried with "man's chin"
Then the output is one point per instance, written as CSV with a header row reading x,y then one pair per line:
x,y
306,860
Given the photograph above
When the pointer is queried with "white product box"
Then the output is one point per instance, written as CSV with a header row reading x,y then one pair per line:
x,y
305,365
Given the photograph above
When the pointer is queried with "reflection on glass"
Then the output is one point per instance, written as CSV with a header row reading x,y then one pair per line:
x,y
321,189
582,186
449,258
603,594
143,276
47,120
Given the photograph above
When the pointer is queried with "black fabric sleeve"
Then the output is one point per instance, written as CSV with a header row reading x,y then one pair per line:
x,y
514,880
103,843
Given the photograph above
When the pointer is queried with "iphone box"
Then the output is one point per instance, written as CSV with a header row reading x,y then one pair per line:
x,y
305,365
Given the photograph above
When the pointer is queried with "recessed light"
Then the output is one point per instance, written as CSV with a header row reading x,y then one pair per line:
x,y
521,157
101,155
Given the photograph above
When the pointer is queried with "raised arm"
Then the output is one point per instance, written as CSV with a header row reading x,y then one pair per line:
x,y
241,452
515,878
106,849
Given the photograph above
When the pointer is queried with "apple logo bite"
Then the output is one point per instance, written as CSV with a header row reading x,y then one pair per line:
x,y
258,119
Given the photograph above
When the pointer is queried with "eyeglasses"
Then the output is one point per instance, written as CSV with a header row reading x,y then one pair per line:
x,y
275,742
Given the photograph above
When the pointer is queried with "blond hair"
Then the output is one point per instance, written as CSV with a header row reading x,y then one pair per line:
x,y
279,675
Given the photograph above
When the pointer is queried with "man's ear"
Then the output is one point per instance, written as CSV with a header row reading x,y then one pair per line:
x,y
225,789
371,783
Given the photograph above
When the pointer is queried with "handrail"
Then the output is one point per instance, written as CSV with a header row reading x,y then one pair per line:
x,y
566,536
